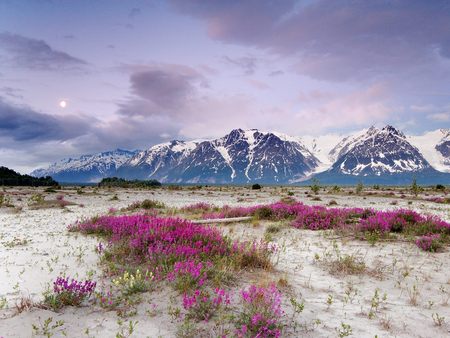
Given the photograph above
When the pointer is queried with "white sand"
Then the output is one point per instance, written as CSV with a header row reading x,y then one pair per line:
x,y
27,270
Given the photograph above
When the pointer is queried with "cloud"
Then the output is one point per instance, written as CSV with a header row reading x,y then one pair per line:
x,y
247,63
12,92
161,89
37,54
134,12
339,40
440,117
21,123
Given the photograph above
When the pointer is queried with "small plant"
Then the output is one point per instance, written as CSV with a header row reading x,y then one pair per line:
x,y
330,301
36,199
256,186
336,189
5,200
315,187
47,328
359,188
372,237
67,292
3,303
133,283
438,320
415,189
272,229
375,303
126,331
261,313
413,294
345,330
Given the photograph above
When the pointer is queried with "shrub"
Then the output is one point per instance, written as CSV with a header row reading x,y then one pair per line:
x,y
315,187
335,189
261,312
256,186
415,189
151,204
440,187
359,188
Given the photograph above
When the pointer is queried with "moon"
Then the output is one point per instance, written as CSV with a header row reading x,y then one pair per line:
x,y
63,103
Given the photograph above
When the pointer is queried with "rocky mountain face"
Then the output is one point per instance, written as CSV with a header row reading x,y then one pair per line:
x,y
242,156
376,155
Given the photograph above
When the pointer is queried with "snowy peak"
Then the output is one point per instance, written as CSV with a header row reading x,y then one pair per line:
x,y
377,152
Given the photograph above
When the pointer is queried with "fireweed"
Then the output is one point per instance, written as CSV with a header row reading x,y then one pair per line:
x,y
429,242
197,207
357,219
173,248
261,312
202,304
68,292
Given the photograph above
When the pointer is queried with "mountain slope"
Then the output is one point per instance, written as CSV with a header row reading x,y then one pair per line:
x,y
435,147
86,168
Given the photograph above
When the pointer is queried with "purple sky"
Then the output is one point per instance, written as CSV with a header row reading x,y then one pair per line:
x,y
135,73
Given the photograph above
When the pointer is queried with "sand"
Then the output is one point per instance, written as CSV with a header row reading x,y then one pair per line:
x,y
35,248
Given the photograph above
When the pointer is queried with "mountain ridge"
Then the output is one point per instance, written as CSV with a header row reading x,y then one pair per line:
x,y
244,156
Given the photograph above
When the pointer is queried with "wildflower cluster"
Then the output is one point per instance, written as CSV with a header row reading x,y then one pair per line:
x,y
174,248
322,218
203,304
261,314
189,274
197,207
430,242
440,200
69,292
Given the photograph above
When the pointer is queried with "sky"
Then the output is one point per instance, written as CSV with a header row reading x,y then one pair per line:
x,y
85,76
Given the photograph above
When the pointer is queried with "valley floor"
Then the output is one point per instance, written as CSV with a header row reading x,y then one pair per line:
x,y
404,292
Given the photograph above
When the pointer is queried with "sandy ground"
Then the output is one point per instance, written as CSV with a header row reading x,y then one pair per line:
x,y
412,286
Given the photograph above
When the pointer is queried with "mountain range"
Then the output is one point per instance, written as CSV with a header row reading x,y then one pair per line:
x,y
374,155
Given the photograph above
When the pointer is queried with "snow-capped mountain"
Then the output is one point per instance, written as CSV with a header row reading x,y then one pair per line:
x,y
239,157
435,147
383,155
378,151
371,155
86,168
